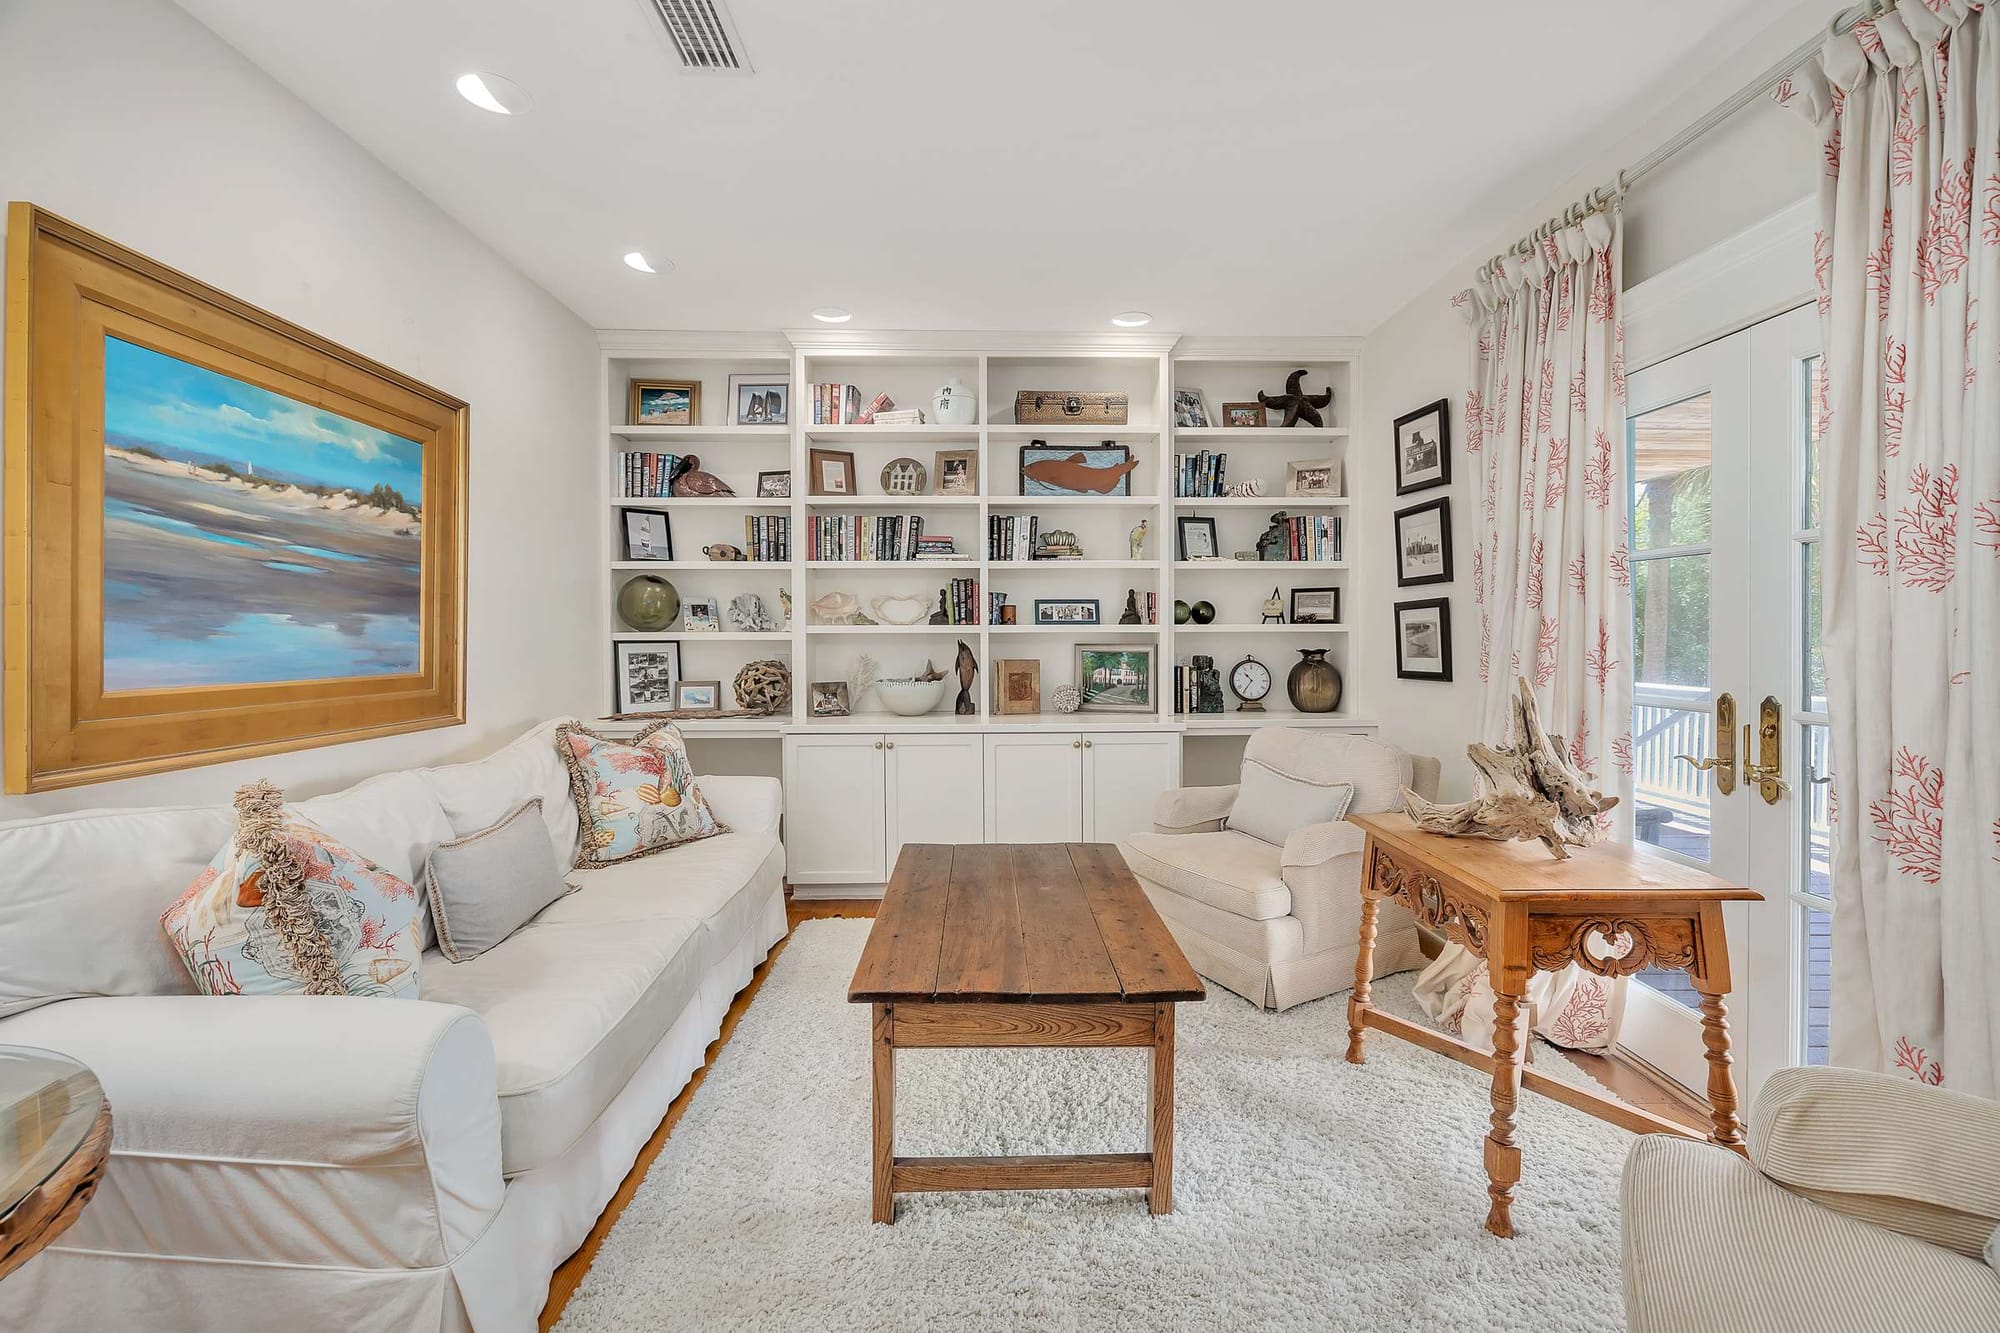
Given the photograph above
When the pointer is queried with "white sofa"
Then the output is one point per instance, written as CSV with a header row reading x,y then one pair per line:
x,y
355,1163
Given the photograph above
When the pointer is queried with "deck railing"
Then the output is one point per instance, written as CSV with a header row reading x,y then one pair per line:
x,y
1667,721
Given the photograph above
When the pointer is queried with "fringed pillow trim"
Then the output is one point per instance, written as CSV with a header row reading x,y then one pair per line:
x,y
260,826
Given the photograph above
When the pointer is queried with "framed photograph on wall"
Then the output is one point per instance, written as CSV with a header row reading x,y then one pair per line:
x,y
1196,538
1423,448
1117,677
1423,544
759,400
649,535
666,403
1423,640
646,672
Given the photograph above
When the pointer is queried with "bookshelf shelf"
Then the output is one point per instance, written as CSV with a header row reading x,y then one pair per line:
x,y
1023,434
1264,502
1253,566
1216,628
904,434
655,435
1207,435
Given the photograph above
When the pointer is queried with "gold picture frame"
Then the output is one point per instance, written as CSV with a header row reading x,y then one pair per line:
x,y
142,596
641,410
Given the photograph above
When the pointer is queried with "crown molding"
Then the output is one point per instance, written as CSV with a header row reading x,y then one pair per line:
x,y
693,344
1196,347
873,342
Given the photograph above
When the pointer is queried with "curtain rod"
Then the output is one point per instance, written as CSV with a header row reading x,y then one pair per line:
x,y
1700,129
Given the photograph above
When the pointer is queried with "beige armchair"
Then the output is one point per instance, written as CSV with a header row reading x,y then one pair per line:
x,y
1866,1204
1275,920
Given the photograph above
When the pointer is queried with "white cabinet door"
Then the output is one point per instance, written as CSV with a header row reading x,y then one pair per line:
x,y
836,824
935,792
1122,774
1034,787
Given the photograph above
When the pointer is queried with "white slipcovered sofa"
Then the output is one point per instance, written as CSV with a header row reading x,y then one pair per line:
x,y
360,1163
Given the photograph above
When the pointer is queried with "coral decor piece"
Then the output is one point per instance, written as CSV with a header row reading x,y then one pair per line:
x,y
764,687
1066,699
1529,789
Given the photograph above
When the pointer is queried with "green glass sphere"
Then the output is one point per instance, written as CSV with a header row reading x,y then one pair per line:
x,y
1181,612
1204,613
648,603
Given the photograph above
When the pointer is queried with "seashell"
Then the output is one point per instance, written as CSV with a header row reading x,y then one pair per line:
x,y
900,609
382,971
835,608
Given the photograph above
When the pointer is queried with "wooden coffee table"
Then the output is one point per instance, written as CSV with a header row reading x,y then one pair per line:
x,y
1047,944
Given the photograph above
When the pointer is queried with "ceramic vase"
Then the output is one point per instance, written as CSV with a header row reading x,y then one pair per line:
x,y
648,603
955,405
1314,684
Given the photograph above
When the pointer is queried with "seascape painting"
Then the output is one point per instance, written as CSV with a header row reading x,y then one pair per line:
x,y
250,537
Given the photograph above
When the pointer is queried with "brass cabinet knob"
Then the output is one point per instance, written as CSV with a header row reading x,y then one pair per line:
x,y
1086,745
1076,745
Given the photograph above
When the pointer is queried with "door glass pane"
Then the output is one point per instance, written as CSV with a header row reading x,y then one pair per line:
x,y
1818,978
1814,659
1815,389
1670,458
1670,624
1816,811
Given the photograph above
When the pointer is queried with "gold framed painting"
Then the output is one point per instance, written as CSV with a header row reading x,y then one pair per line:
x,y
225,536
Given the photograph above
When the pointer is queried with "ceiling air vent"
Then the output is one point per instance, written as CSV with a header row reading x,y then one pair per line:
x,y
704,34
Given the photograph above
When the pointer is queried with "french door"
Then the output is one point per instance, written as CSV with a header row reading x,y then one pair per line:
x,y
1728,689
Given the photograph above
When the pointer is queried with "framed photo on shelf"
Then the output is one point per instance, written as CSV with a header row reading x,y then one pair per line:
x,y
649,535
831,472
1423,544
1066,611
1117,677
699,616
698,696
1313,476
828,698
646,672
1190,412
1423,448
1063,469
957,471
1243,416
1315,606
1017,685
1196,538
666,402
759,400
774,485
1423,640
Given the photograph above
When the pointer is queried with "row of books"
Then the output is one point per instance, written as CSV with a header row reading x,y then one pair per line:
x,y
767,536
840,405
644,476
1187,693
961,602
1199,476
1313,537
1012,537
875,537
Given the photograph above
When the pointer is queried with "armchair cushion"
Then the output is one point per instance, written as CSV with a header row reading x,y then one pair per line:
x,y
1193,809
1231,871
1903,1155
1378,772
1271,801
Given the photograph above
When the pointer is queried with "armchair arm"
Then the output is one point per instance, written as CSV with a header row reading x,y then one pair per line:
x,y
1321,865
744,804
1906,1156
1316,844
274,1129
1193,809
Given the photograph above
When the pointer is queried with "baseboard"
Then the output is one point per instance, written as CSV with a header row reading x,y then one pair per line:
x,y
812,893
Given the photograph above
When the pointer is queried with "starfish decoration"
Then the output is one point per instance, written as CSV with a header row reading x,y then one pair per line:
x,y
1298,405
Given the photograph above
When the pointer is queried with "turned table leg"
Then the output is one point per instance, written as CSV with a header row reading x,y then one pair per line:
x,y
1721,1080
884,1044
1503,1158
1364,972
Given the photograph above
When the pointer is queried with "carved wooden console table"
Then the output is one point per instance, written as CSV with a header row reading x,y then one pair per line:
x,y
1524,912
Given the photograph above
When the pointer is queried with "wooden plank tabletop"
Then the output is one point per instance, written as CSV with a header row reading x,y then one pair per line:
x,y
1514,870
1044,922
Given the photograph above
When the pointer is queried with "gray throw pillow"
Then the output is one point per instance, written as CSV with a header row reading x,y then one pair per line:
x,y
1271,803
487,885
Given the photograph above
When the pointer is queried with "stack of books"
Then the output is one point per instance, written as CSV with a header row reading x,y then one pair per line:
x,y
644,476
1313,537
902,416
1011,538
940,547
1199,476
836,405
961,602
883,403
870,537
767,536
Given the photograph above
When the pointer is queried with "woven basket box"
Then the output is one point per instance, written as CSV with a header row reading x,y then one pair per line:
x,y
1051,407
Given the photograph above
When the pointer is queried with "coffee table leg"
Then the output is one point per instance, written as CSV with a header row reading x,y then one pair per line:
x,y
1160,1112
884,1045
1503,1157
1364,972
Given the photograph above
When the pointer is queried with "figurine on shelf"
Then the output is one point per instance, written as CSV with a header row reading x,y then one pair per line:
x,y
785,600
1275,543
1244,490
1058,544
1138,539
968,667
689,481
748,615
1274,609
1207,685
1297,405
1130,616
723,552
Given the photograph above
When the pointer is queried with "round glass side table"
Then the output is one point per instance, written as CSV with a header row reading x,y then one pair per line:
x,y
55,1134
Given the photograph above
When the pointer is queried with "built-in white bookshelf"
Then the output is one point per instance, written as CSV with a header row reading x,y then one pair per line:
x,y
1148,368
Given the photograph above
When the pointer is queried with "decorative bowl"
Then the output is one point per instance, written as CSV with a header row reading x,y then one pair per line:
x,y
908,697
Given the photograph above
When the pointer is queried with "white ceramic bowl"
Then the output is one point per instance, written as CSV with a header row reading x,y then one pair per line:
x,y
910,698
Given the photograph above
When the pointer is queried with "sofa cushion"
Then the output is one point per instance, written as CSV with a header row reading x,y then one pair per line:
x,y
393,820
722,883
1227,870
633,797
1271,803
488,885
479,794
1379,772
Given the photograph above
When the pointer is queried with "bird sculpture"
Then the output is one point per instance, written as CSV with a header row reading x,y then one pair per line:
x,y
968,666
1298,406
690,481
1138,539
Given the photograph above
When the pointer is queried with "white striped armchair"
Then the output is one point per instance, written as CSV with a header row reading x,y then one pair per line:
x,y
1868,1203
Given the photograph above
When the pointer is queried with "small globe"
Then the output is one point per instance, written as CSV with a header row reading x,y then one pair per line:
x,y
648,603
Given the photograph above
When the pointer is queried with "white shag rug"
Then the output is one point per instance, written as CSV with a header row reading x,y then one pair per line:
x,y
1309,1193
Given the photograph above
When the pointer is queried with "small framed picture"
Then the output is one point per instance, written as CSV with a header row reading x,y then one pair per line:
x,y
1423,448
957,471
1061,469
1066,611
698,696
1190,413
774,485
1017,685
1243,416
1423,640
828,698
904,476
649,535
699,616
1196,538
1313,476
1423,544
1315,606
646,672
1116,677
666,402
831,471
759,400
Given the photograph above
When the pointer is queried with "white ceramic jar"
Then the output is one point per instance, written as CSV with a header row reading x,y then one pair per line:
x,y
954,405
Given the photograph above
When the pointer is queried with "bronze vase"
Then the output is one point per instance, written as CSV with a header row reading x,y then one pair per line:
x,y
1314,685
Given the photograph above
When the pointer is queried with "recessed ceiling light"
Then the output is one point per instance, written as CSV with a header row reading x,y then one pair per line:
x,y
832,314
638,260
491,92
1132,319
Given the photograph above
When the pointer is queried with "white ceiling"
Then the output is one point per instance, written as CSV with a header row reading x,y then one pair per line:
x,y
1263,166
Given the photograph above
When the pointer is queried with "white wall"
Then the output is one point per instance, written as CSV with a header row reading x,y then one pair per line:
x,y
1760,161
132,119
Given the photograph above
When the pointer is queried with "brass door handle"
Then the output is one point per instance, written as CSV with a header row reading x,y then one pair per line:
x,y
1767,774
1724,762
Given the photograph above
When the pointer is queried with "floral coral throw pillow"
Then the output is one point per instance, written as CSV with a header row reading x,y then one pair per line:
x,y
633,797
286,910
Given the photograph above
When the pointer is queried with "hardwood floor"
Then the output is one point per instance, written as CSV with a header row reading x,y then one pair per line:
x,y
1626,1081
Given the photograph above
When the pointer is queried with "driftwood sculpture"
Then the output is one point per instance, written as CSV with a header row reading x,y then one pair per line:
x,y
1527,789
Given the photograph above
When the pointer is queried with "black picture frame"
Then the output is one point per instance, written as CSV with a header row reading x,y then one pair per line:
x,y
633,550
1430,475
776,485
1442,606
622,679
1293,607
1184,522
1442,507
1096,613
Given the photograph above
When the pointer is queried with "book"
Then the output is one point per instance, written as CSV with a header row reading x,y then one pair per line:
x,y
902,416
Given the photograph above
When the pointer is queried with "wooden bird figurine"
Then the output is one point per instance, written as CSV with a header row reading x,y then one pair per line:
x,y
968,666
689,480
1298,405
